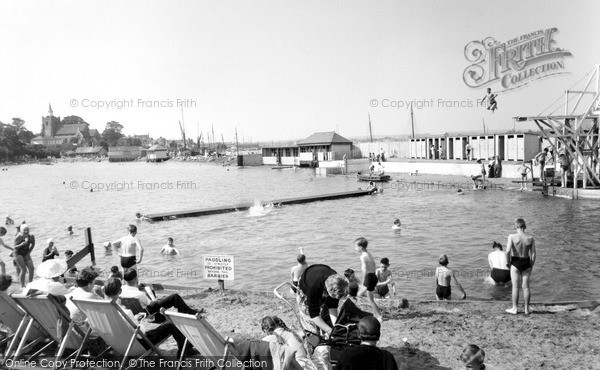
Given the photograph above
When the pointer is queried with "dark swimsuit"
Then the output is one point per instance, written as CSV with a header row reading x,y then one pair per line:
x,y
443,291
382,290
127,262
370,281
521,263
294,286
500,276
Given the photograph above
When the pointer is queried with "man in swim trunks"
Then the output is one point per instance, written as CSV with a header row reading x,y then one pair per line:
x,y
129,246
443,277
368,274
499,265
521,248
541,159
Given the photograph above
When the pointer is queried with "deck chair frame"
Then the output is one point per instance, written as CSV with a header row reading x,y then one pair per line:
x,y
135,327
62,314
17,320
201,324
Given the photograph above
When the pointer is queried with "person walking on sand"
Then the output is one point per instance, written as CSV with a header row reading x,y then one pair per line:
x,y
443,277
2,265
129,246
521,249
369,277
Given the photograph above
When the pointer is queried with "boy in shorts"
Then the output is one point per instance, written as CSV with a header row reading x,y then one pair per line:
x,y
369,277
384,278
523,170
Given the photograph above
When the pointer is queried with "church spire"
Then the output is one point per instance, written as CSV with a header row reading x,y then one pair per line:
x,y
50,110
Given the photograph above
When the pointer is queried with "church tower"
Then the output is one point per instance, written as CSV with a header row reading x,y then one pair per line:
x,y
50,123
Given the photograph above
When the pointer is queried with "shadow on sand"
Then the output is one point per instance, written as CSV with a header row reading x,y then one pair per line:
x,y
409,357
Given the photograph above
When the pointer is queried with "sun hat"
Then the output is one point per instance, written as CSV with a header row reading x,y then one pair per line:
x,y
51,268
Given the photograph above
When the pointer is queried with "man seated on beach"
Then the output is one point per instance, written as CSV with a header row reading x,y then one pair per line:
x,y
367,355
85,288
131,290
443,277
368,274
129,246
112,291
499,265
169,248
384,277
297,270
521,248
2,265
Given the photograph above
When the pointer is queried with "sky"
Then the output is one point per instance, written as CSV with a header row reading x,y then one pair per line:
x,y
279,70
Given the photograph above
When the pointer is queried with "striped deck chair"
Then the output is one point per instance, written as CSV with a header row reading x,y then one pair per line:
x,y
52,316
112,324
16,320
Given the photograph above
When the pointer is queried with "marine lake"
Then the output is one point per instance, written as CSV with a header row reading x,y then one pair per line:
x,y
265,242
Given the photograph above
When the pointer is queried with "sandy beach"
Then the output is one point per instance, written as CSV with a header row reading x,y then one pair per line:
x,y
554,336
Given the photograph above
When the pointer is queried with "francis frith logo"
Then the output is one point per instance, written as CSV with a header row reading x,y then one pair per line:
x,y
516,62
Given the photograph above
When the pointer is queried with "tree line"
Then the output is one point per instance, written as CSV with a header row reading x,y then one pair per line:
x,y
15,140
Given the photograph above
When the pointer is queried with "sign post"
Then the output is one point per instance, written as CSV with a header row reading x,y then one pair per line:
x,y
219,268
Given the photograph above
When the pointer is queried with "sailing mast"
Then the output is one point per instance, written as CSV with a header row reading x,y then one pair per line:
x,y
412,121
237,146
370,131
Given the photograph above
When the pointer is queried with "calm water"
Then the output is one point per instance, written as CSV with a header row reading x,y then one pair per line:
x,y
434,221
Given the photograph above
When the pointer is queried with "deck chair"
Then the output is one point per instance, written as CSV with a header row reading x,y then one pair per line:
x,y
133,304
222,351
116,328
17,321
48,313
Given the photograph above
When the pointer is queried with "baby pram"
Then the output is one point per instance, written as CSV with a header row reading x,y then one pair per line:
x,y
345,331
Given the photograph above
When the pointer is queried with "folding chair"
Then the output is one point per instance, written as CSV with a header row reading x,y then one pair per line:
x,y
48,313
133,304
115,327
16,320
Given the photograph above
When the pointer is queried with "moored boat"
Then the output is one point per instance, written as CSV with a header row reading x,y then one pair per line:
x,y
376,177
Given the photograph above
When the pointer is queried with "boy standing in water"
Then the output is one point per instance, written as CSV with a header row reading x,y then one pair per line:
x,y
384,277
297,270
369,277
169,248
443,277
521,249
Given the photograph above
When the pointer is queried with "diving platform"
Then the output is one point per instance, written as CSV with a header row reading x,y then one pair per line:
x,y
245,206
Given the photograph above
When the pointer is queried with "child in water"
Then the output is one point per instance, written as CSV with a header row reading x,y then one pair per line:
x,y
396,225
169,248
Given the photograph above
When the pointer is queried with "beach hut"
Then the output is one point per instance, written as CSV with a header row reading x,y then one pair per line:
x,y
157,153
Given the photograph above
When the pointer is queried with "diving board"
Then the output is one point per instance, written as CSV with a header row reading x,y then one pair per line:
x,y
245,206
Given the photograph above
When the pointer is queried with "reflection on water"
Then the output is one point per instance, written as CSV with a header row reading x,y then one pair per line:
x,y
434,221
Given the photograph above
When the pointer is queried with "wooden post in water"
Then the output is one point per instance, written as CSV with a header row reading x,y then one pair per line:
x,y
88,249
221,285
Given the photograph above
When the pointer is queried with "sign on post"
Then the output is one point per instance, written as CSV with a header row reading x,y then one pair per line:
x,y
218,267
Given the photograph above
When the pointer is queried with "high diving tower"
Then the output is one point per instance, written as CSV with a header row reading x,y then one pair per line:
x,y
576,132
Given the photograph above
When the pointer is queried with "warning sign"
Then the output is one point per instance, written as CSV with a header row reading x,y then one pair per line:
x,y
218,267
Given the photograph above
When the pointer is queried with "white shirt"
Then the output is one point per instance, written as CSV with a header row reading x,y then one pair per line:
x,y
129,245
498,260
48,286
133,292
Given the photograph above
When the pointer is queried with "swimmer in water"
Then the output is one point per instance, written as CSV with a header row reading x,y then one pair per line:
x,y
70,229
396,225
460,192
169,248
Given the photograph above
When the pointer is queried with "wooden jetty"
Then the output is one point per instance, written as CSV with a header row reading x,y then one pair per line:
x,y
245,206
